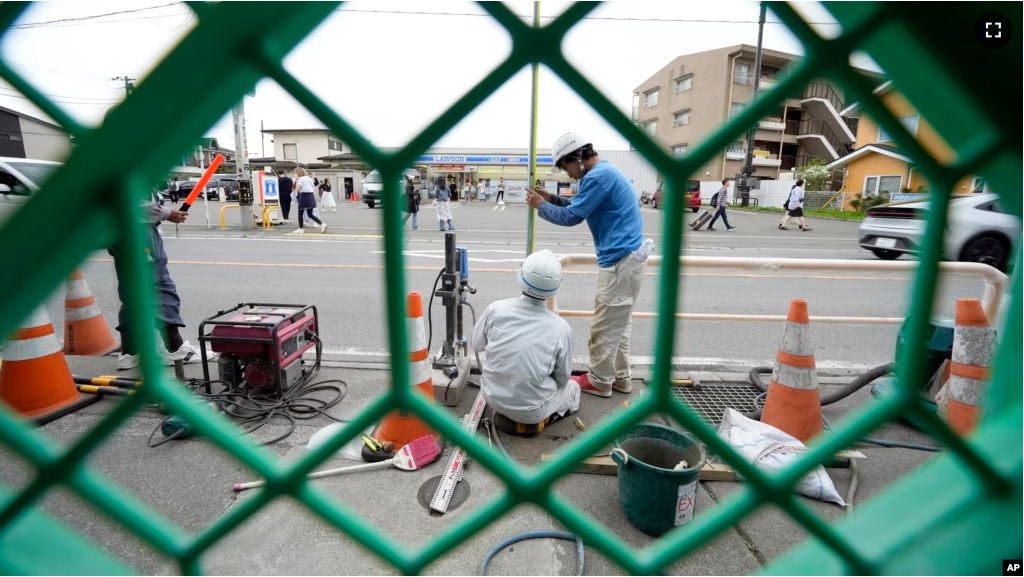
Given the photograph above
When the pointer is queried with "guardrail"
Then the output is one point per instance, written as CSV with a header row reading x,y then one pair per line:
x,y
995,283
222,209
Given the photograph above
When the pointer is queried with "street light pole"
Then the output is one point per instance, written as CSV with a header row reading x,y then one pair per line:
x,y
748,168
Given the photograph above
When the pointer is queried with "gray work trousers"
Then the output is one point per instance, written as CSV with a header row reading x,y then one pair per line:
x,y
168,303
618,287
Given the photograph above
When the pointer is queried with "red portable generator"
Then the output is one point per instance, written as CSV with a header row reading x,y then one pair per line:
x,y
260,345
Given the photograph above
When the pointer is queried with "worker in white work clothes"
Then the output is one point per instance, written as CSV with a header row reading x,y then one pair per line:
x,y
607,202
527,351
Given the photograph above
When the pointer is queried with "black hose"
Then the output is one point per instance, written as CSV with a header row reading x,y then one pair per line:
x,y
430,313
835,396
540,534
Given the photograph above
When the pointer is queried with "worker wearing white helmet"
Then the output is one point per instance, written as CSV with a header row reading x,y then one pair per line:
x,y
527,349
607,202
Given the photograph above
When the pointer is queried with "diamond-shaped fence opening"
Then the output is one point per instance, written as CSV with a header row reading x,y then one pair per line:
x,y
980,478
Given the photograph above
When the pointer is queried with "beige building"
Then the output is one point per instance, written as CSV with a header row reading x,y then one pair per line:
x,y
695,94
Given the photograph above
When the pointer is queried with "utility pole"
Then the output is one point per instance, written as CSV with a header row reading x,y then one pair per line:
x,y
245,191
128,86
748,168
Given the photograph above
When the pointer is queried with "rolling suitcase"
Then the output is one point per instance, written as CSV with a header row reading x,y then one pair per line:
x,y
702,219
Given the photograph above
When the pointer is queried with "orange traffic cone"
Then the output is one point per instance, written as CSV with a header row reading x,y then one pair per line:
x,y
973,342
400,427
85,331
793,404
34,378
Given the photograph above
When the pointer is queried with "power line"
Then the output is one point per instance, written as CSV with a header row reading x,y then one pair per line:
x,y
94,100
92,17
63,101
609,18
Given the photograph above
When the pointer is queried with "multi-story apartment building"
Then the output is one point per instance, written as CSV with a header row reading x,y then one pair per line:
x,y
694,94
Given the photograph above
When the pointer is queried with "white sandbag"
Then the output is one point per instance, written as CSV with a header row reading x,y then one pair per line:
x,y
352,450
772,450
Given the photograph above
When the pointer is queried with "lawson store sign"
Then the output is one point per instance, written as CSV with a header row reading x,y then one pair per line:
x,y
480,159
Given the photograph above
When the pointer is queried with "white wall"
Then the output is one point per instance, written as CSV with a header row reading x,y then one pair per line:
x,y
309,145
634,167
772,192
44,142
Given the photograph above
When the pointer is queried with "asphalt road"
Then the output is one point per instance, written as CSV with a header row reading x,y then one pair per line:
x,y
341,273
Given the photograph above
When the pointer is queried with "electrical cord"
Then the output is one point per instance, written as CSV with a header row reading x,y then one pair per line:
x,y
253,408
539,534
430,313
890,444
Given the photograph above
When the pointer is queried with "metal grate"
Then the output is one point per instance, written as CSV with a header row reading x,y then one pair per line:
x,y
710,401
959,514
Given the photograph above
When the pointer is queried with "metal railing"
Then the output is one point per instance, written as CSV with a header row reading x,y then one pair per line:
x,y
820,128
995,283
792,127
825,91
788,162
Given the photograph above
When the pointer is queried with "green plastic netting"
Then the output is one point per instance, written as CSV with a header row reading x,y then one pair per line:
x,y
970,494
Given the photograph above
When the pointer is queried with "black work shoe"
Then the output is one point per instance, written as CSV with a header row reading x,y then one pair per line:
x,y
711,229
730,228
508,426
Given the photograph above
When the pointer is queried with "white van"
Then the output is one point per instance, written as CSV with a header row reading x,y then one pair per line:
x,y
19,178
373,186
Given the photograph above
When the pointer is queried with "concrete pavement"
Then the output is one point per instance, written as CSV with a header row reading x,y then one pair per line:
x,y
189,482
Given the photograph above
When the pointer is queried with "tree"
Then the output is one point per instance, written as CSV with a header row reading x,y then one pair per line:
x,y
815,174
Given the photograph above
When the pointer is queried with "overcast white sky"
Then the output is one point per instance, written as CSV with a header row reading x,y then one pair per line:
x,y
390,71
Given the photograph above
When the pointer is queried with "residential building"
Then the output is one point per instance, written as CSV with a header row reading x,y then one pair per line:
x,y
695,94
195,161
305,145
877,166
24,136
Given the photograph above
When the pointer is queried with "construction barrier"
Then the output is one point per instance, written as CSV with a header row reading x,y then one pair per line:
x,y
995,282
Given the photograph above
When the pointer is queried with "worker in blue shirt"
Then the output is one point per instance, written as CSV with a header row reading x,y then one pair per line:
x,y
607,202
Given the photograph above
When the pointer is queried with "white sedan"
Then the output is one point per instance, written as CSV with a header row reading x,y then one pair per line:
x,y
978,230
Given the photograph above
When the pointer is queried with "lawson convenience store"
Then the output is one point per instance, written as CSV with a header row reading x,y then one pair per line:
x,y
490,167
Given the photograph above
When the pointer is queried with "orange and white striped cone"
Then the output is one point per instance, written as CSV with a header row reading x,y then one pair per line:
x,y
85,330
400,427
793,404
973,343
34,378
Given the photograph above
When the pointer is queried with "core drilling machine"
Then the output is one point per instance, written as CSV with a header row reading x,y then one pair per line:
x,y
451,364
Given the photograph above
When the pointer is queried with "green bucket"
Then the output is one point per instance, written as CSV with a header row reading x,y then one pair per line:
x,y
654,495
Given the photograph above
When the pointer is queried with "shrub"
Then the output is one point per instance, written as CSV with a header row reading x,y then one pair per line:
x,y
815,173
862,201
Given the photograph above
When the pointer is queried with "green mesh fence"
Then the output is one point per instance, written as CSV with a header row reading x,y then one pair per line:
x,y
971,492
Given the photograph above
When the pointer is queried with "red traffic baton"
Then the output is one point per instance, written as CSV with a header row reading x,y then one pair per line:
x,y
202,182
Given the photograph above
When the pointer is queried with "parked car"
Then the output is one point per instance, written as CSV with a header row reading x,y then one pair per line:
x,y
186,188
692,196
19,178
373,185
978,230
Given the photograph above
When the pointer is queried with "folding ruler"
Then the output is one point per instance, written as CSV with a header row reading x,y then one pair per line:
x,y
453,471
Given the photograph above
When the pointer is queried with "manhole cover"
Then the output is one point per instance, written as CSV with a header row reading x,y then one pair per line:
x,y
710,400
426,493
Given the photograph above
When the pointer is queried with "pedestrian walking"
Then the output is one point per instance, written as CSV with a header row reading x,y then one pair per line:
x,y
307,199
481,190
794,206
284,193
721,201
327,197
467,191
412,203
167,310
606,201
500,197
173,190
444,211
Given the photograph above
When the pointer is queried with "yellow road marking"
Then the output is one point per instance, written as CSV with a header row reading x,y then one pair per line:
x,y
477,269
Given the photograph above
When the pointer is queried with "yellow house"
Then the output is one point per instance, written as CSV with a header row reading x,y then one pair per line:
x,y
876,165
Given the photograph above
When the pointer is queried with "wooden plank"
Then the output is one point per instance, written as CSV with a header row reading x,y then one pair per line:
x,y
606,466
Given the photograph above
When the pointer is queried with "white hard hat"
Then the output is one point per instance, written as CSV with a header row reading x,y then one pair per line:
x,y
540,275
568,143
